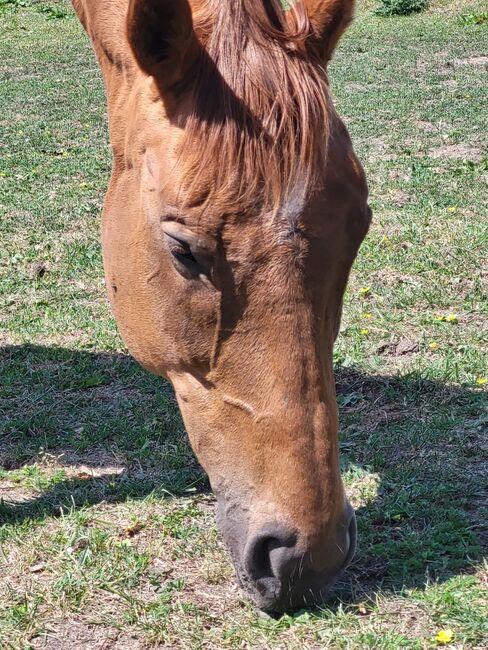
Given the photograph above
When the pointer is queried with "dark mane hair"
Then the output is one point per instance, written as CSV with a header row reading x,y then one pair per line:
x,y
258,127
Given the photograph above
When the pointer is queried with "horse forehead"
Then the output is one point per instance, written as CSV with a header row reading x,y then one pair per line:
x,y
290,220
252,235
249,235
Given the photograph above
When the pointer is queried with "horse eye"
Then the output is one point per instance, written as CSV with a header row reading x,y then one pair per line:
x,y
184,260
183,253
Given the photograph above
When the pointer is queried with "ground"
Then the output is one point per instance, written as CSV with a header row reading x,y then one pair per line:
x,y
107,532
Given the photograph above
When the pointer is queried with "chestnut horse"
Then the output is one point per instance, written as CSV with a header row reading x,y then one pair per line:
x,y
235,210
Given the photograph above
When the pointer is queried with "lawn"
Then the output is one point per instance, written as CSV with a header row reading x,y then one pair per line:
x,y
107,533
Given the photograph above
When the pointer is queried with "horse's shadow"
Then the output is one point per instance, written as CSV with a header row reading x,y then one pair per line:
x,y
413,452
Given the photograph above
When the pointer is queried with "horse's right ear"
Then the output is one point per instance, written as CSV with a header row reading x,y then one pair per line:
x,y
328,19
160,33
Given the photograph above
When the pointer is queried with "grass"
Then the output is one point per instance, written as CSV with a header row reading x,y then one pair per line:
x,y
107,534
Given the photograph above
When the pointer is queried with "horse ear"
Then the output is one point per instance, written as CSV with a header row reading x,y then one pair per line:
x,y
328,19
160,33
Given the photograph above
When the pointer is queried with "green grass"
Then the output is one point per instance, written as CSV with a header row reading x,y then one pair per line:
x,y
107,533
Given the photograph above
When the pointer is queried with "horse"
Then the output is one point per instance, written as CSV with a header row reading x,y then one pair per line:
x,y
235,209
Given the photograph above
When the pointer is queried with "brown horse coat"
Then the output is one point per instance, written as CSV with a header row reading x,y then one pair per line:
x,y
235,209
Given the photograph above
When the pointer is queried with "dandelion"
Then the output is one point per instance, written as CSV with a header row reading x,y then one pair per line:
x,y
433,345
444,636
481,381
364,332
364,291
449,318
451,209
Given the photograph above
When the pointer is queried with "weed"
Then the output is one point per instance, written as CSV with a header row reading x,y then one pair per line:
x,y
400,7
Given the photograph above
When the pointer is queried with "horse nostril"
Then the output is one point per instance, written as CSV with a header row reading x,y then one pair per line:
x,y
269,553
258,557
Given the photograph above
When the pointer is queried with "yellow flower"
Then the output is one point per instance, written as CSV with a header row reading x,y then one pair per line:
x,y
83,184
451,209
367,315
481,381
433,345
450,318
444,636
364,291
364,332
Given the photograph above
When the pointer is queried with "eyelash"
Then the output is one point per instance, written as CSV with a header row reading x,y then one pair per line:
x,y
185,261
183,251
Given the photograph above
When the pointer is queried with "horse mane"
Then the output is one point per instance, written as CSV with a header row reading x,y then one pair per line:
x,y
257,131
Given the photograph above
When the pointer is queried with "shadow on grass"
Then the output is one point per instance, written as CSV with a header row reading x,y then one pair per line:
x,y
421,449
413,450
115,428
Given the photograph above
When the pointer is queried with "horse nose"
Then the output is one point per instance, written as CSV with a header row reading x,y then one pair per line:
x,y
284,576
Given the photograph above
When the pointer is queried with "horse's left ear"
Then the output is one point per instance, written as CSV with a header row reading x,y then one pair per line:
x,y
160,33
328,19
